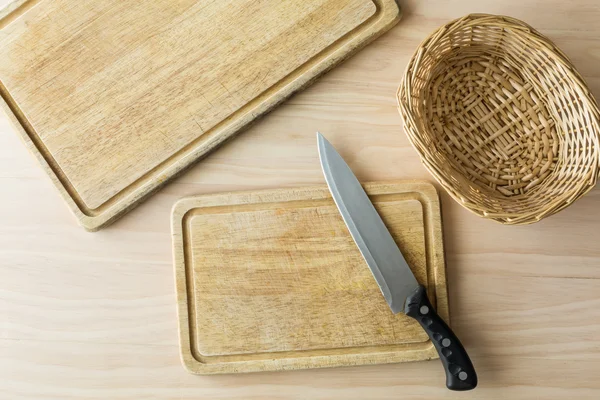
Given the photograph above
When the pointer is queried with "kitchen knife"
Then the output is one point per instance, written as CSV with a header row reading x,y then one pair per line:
x,y
393,275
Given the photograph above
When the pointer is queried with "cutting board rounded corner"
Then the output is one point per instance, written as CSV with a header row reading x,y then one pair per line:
x,y
181,207
428,189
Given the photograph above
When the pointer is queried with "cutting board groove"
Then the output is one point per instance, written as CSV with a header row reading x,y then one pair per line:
x,y
116,98
271,280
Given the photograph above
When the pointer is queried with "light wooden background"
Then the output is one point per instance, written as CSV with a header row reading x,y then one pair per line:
x,y
92,316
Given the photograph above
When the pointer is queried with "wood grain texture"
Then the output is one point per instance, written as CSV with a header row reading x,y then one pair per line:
x,y
93,316
272,280
115,98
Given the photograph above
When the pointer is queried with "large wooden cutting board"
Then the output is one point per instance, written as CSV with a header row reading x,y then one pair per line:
x,y
272,280
116,97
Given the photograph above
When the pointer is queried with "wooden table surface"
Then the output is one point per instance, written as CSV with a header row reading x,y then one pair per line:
x,y
92,315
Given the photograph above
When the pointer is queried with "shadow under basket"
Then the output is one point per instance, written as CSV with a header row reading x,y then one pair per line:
x,y
501,118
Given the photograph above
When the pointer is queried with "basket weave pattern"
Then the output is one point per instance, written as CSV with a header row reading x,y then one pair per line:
x,y
501,118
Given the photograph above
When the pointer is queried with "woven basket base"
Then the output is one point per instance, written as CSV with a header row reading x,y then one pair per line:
x,y
478,90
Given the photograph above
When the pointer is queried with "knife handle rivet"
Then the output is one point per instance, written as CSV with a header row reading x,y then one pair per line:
x,y
463,375
424,310
446,342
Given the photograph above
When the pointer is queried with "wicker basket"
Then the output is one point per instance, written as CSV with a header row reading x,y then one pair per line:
x,y
501,118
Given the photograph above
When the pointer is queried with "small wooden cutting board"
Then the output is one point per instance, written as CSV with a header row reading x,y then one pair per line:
x,y
116,97
272,280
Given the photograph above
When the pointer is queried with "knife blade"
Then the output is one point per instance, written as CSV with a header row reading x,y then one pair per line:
x,y
392,273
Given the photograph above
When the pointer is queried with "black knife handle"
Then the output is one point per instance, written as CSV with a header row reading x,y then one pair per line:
x,y
460,374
